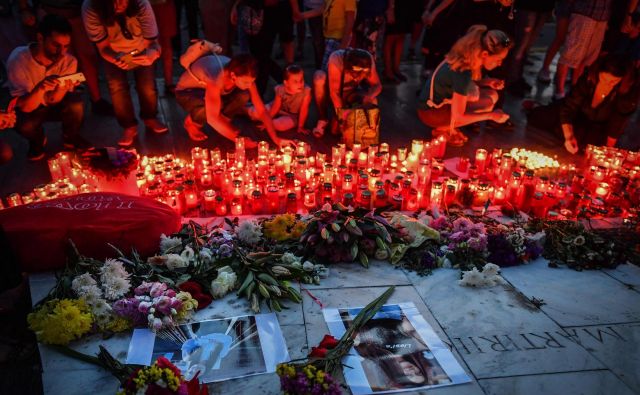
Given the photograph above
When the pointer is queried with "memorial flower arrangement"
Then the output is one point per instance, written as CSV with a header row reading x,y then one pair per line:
x,y
284,227
340,234
161,378
110,162
60,321
315,373
573,244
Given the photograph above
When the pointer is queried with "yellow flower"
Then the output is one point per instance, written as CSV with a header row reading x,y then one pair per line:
x,y
60,321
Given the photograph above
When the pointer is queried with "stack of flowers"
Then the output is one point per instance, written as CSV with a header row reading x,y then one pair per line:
x,y
162,377
61,321
110,163
306,380
161,307
284,227
340,234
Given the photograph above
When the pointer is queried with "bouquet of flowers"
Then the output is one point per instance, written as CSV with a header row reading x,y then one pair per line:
x,y
284,227
61,321
315,374
161,378
157,305
338,234
571,243
110,162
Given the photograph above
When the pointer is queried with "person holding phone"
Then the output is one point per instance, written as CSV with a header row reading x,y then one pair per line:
x,y
34,72
126,34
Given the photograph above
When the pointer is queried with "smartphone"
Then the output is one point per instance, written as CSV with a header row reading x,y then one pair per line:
x,y
76,77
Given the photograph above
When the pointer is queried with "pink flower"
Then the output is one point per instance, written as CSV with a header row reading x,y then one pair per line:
x,y
163,305
170,293
157,289
143,288
144,307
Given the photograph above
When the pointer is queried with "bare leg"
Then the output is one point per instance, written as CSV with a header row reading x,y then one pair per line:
x,y
320,93
562,26
577,72
561,77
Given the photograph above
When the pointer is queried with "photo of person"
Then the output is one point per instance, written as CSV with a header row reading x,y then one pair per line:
x,y
218,349
392,354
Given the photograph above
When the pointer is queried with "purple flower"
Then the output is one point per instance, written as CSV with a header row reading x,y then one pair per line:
x,y
501,252
533,249
428,261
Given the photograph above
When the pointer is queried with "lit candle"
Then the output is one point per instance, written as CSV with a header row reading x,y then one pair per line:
x,y
206,179
236,207
55,169
481,160
14,200
220,206
416,147
602,190
499,196
309,198
436,194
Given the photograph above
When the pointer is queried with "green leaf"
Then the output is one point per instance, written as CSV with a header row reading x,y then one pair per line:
x,y
364,260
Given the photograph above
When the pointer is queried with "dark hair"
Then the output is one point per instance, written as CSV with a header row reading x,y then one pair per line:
x,y
54,23
616,65
291,70
107,13
356,57
243,65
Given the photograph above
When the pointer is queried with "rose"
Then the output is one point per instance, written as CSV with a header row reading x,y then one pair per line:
x,y
164,363
318,352
191,286
328,342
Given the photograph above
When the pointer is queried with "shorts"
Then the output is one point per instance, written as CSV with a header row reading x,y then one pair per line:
x,y
563,9
436,118
279,20
330,46
583,42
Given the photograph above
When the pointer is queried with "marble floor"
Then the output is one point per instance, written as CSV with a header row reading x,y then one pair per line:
x,y
581,336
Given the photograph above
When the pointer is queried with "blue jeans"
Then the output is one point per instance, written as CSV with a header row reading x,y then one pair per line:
x,y
121,96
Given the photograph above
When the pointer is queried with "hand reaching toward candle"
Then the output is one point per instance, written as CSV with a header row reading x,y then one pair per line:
x,y
494,83
249,143
282,143
7,119
571,145
499,116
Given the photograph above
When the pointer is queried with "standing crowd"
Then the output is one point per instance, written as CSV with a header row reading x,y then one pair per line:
x,y
474,51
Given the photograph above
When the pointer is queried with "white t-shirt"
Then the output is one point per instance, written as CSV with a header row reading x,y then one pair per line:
x,y
25,72
142,26
206,70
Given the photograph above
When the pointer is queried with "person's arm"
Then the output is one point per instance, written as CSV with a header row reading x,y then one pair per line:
x,y
460,117
263,115
312,13
570,141
492,83
335,78
627,25
429,17
374,82
275,105
111,56
304,109
149,55
350,17
55,96
213,106
32,100
7,119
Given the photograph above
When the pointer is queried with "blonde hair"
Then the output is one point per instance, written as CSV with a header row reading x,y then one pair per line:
x,y
465,53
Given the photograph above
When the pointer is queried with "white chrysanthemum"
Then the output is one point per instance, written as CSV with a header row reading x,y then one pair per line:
x,y
91,294
249,232
116,287
82,281
101,307
490,269
175,261
308,266
114,267
224,283
188,254
289,259
170,243
472,278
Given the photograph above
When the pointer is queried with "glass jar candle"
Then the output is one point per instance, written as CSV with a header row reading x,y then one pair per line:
x,y
236,207
436,194
380,199
209,197
292,203
347,199
309,199
481,160
220,206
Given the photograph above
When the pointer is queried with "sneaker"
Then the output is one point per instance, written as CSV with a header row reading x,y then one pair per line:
x,y
128,134
76,142
102,107
544,76
36,152
194,131
155,126
558,96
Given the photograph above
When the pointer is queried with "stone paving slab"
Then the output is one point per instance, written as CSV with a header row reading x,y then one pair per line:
x,y
600,382
575,298
79,382
497,331
627,274
616,346
358,297
349,275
